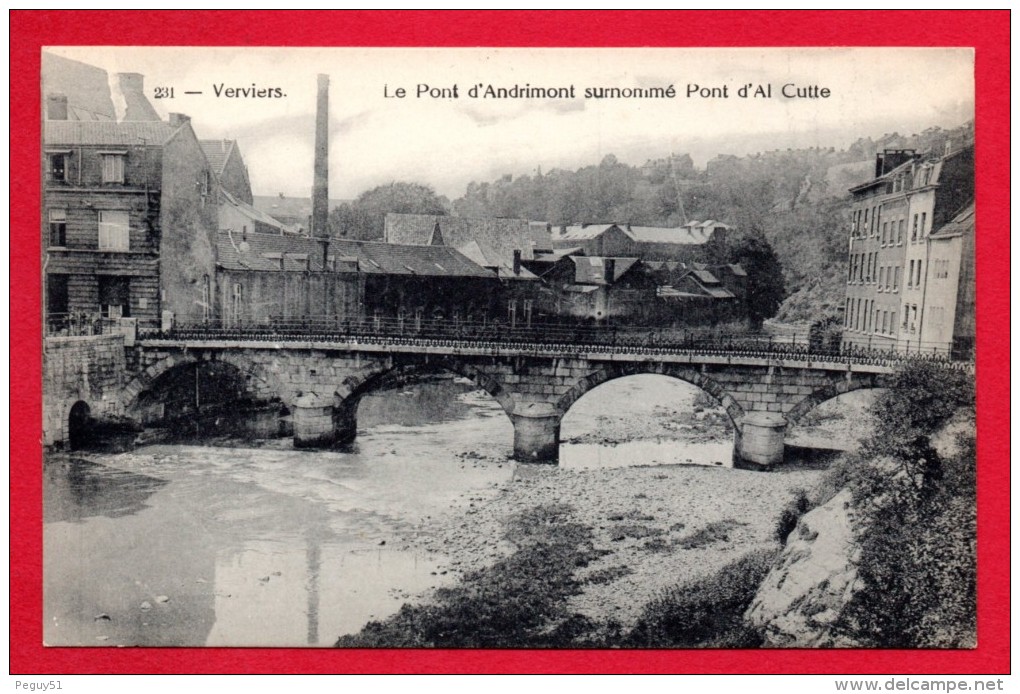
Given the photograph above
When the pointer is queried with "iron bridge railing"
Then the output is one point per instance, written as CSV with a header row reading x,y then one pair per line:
x,y
565,338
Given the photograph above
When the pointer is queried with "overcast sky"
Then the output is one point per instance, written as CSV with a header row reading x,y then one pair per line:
x,y
447,143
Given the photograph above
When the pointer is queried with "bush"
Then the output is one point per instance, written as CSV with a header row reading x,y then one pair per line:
x,y
917,565
706,612
791,514
915,520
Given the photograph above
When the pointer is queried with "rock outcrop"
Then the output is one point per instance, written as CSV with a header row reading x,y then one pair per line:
x,y
811,581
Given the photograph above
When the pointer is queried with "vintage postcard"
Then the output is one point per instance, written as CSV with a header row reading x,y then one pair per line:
x,y
509,348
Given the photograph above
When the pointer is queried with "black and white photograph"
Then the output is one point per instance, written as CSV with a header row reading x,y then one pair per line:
x,y
496,348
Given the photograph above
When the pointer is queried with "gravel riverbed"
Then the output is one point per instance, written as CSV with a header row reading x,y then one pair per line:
x,y
661,525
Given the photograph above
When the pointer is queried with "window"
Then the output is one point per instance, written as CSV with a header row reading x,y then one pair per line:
x,y
57,171
881,279
113,167
917,282
892,322
511,311
56,296
846,314
924,216
885,231
114,296
113,230
913,233
896,279
58,228
899,232
206,182
885,322
910,275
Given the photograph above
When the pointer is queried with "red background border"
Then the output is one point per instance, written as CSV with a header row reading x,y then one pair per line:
x,y
986,31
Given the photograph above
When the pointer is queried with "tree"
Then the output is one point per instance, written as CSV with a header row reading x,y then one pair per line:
x,y
766,288
365,218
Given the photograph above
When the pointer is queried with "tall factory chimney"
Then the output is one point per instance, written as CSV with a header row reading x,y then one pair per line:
x,y
320,183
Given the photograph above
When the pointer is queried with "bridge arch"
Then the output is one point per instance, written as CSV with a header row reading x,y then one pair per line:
x,y
260,383
78,425
373,377
826,393
609,372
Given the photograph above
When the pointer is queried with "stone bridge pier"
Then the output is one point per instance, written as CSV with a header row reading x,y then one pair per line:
x,y
322,387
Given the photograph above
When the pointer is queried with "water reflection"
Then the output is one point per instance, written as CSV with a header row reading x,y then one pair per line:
x,y
268,546
75,489
200,545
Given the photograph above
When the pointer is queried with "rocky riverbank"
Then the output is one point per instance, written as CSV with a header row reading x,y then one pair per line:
x,y
654,526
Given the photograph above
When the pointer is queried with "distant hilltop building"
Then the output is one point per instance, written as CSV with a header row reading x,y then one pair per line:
x,y
910,278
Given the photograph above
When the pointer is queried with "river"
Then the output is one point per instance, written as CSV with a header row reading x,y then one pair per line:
x,y
262,545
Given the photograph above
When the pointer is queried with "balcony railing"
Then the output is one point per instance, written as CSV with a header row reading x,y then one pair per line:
x,y
79,324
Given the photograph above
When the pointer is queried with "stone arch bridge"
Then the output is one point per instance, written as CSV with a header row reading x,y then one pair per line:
x,y
321,383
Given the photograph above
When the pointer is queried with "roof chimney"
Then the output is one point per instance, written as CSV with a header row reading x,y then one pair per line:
x,y
129,94
517,261
320,181
178,119
56,107
610,267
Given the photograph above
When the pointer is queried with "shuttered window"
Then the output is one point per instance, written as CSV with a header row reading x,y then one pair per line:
x,y
113,168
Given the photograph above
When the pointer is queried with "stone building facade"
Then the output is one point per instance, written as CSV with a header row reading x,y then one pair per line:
x,y
893,219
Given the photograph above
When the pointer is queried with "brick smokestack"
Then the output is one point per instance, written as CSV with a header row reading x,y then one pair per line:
x,y
320,183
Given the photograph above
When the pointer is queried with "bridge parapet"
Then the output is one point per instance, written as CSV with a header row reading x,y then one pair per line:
x,y
535,383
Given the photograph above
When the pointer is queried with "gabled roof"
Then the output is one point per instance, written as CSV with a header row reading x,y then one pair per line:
x,y
217,152
256,215
962,223
692,233
592,269
497,237
265,251
108,133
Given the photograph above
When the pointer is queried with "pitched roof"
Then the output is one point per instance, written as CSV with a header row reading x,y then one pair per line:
x,y
580,232
396,259
497,237
592,269
256,215
217,152
962,223
541,237
692,233
86,87
265,252
63,132
686,235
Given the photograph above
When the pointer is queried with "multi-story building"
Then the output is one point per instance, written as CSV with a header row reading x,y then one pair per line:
x,y
129,220
892,220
